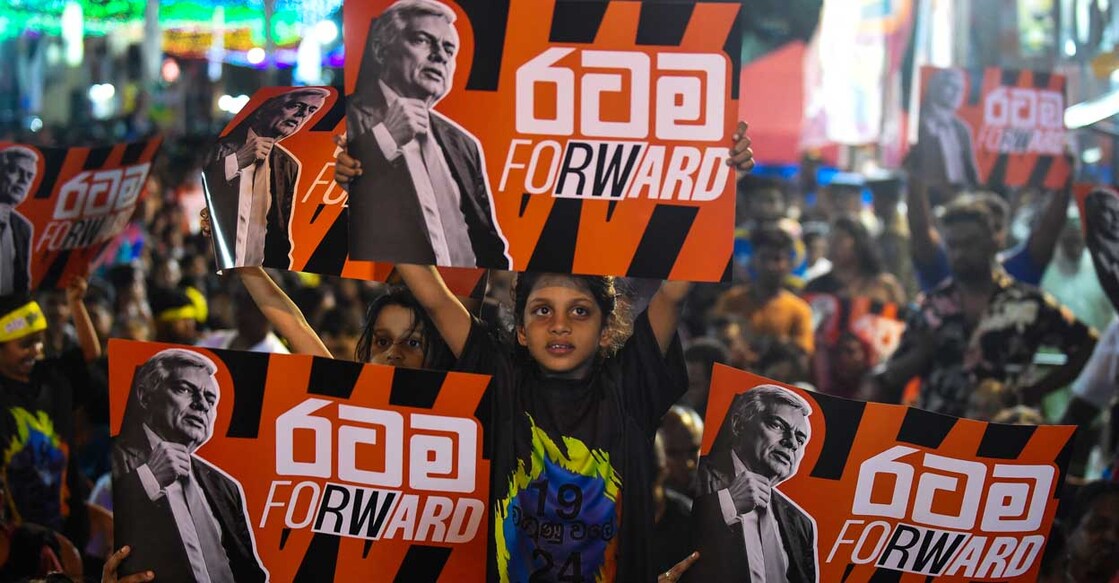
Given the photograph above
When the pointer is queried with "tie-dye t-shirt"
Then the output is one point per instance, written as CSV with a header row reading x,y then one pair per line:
x,y
571,461
40,481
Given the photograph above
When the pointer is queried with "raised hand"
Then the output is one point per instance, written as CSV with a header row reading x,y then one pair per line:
x,y
109,572
741,155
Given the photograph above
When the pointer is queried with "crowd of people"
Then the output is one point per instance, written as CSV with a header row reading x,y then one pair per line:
x,y
890,288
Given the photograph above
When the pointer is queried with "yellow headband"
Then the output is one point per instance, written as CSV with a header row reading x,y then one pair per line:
x,y
187,312
25,320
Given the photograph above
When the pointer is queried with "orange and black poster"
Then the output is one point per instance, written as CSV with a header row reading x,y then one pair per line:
x,y
995,127
811,487
544,135
62,206
239,466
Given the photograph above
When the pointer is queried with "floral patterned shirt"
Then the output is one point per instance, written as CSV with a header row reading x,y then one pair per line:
x,y
1019,319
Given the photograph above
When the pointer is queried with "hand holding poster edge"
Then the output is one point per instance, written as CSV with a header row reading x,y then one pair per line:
x,y
830,480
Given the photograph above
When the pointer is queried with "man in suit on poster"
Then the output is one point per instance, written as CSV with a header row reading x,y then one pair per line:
x,y
185,518
18,166
425,198
747,530
945,140
250,181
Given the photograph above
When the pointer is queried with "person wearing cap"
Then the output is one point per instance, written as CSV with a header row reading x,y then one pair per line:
x,y
176,316
42,484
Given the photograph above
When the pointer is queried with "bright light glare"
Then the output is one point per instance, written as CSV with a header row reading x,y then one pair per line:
x,y
1089,112
231,104
102,92
255,55
1092,155
326,31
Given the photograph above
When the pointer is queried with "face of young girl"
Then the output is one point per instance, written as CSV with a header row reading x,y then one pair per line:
x,y
397,340
562,327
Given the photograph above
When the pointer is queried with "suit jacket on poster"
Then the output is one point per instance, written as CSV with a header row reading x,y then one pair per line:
x,y
933,163
225,197
721,547
21,236
386,222
149,527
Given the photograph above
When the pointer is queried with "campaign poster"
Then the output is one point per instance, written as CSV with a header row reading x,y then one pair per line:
x,y
995,127
544,135
270,189
241,466
807,487
60,207
1099,217
853,335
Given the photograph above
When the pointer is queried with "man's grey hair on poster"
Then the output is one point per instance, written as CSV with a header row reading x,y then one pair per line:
x,y
278,102
761,398
18,151
386,28
153,373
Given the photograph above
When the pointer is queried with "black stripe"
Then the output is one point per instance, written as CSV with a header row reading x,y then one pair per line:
x,y
489,20
1040,170
925,428
576,22
416,388
525,197
733,49
845,416
997,177
975,86
661,243
333,378
555,249
133,152
284,534
318,210
365,548
330,256
882,575
662,24
847,572
1005,442
337,113
96,158
53,159
320,561
610,207
484,414
728,272
1064,457
1041,79
55,270
422,563
1010,77
249,371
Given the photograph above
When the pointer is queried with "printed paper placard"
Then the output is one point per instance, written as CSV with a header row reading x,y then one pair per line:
x,y
993,127
1099,216
269,185
817,488
62,206
242,466
544,135
852,336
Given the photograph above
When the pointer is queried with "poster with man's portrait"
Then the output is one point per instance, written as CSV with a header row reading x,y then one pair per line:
x,y
552,135
802,487
234,466
61,207
995,127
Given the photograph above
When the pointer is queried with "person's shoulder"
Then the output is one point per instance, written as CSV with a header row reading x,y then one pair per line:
x,y
451,132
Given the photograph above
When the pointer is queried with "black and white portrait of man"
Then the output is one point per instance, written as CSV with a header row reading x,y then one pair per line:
x,y
18,166
747,530
945,141
250,181
1101,221
423,196
185,518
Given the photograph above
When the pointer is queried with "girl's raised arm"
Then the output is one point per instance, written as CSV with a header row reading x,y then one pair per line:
x,y
664,311
451,318
282,312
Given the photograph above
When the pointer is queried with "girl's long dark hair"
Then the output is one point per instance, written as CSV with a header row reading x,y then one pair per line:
x,y
437,356
866,252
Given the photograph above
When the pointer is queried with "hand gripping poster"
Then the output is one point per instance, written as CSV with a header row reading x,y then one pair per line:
x,y
59,207
993,127
270,189
239,467
802,487
543,135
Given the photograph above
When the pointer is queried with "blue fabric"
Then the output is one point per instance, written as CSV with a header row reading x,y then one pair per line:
x,y
1017,262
